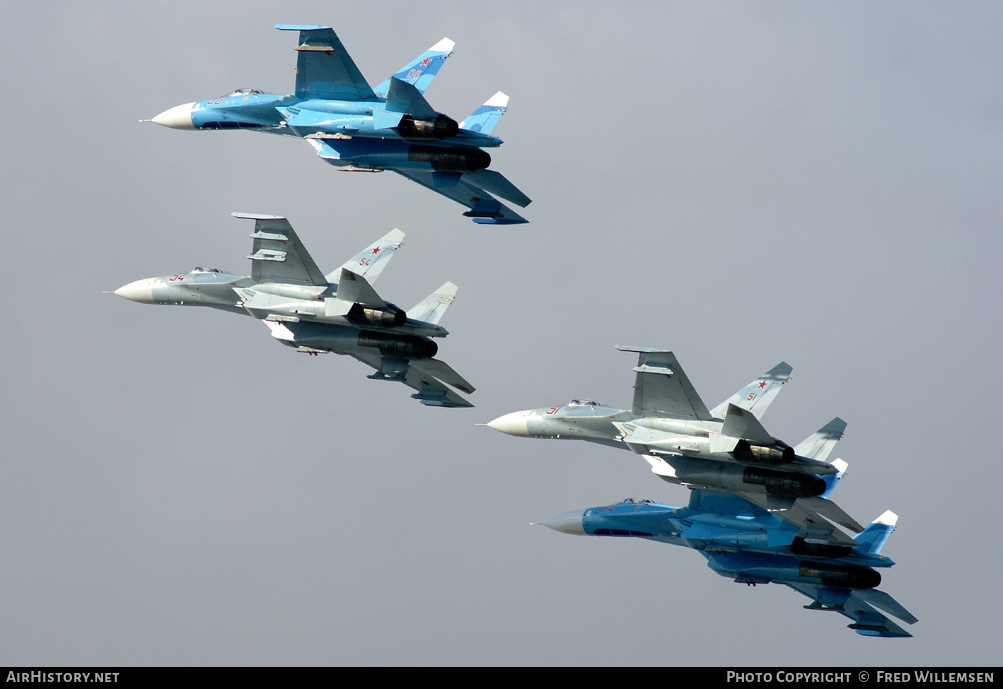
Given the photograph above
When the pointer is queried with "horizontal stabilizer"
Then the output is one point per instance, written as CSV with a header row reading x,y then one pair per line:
x,y
405,98
431,308
430,390
740,423
832,512
720,443
371,261
484,119
497,184
355,288
386,119
814,515
334,307
882,601
444,372
441,180
484,208
858,605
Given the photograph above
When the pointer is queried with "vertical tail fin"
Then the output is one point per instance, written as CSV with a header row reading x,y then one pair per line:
x,y
820,443
431,308
421,70
832,479
484,118
371,261
873,538
757,396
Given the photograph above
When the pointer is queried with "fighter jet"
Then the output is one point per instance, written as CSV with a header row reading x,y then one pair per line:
x,y
723,448
317,314
360,129
743,542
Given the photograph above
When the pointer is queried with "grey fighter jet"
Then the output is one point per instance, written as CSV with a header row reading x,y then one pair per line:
x,y
317,314
724,448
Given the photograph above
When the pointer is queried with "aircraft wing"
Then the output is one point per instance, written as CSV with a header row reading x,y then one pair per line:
x,y
278,255
858,605
473,190
741,423
356,289
422,375
324,69
661,388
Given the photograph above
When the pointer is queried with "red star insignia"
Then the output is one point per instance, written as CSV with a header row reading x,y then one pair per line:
x,y
424,62
376,250
762,384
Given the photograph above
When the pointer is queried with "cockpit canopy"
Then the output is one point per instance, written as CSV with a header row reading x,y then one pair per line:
x,y
636,501
200,270
584,403
243,92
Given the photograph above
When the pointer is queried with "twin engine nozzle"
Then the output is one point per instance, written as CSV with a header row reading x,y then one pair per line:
x,y
442,127
389,317
762,454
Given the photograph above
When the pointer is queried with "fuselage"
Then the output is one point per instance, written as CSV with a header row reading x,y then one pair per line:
x,y
289,115
756,544
310,318
682,446
585,419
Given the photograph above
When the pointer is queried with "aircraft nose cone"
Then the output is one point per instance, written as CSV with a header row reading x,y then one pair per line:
x,y
140,290
513,424
569,522
178,117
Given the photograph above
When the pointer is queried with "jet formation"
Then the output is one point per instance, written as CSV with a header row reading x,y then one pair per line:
x,y
760,508
724,448
361,129
317,314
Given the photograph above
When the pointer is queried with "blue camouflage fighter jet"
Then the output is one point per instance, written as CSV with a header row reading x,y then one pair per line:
x,y
746,543
357,128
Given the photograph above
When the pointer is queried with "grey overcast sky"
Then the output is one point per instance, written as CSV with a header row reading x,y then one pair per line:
x,y
742,183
